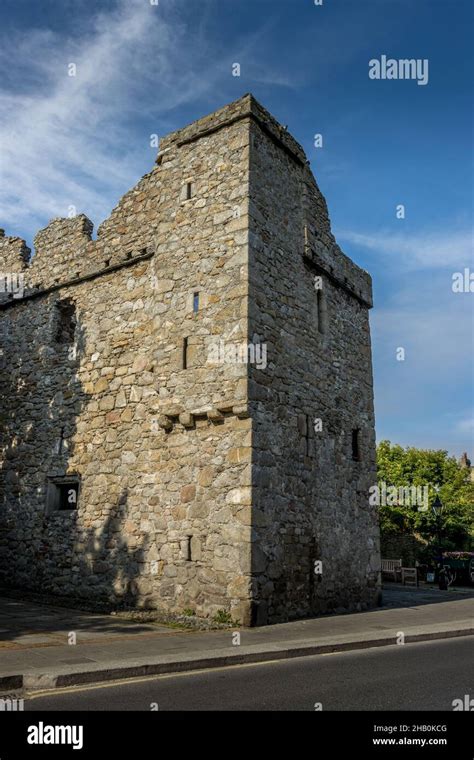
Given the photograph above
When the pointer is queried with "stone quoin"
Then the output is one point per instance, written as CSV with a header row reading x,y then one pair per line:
x,y
134,471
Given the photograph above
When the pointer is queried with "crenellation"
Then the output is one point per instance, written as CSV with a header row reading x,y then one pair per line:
x,y
14,253
60,250
14,261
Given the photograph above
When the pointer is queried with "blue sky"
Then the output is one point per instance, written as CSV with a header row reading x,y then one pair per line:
x,y
144,69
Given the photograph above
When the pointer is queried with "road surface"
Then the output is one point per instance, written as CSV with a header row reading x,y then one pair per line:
x,y
422,676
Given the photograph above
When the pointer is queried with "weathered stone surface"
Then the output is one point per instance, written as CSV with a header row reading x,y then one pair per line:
x,y
165,422
188,493
186,419
182,391
215,415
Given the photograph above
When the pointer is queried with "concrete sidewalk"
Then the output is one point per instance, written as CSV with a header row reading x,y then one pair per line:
x,y
35,654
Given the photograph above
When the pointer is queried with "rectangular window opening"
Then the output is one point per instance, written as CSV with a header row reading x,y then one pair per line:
x,y
356,445
65,321
189,557
196,302
63,494
189,191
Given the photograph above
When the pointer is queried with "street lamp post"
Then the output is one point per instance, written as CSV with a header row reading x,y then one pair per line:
x,y
437,508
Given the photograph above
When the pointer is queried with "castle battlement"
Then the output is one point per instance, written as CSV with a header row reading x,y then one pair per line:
x,y
64,249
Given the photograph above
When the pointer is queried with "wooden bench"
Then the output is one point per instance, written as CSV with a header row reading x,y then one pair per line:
x,y
409,576
392,567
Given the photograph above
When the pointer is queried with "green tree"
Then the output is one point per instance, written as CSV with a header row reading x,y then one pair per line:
x,y
404,467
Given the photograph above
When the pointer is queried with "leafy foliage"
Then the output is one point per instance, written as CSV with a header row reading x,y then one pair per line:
x,y
222,617
398,466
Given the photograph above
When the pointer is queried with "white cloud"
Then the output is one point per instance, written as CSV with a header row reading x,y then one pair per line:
x,y
69,140
417,251
84,140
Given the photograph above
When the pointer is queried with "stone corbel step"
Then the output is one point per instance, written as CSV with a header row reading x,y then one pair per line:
x,y
169,417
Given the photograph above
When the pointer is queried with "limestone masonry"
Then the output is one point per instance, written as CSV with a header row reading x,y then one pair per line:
x,y
187,411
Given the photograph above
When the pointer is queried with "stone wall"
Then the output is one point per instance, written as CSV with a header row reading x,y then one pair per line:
x,y
310,497
162,452
201,485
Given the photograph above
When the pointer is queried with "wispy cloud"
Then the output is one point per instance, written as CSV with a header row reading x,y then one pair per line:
x,y
70,140
83,140
416,251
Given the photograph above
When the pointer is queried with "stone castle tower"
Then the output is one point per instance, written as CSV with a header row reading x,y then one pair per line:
x,y
187,410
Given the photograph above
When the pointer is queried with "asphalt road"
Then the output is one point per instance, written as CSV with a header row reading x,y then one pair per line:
x,y
422,676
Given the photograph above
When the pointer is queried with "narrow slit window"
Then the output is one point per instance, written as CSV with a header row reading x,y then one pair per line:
x,y
196,302
185,353
308,435
189,190
356,445
65,322
189,556
322,312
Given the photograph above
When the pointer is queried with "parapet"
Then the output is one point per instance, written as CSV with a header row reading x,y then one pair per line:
x,y
14,258
322,252
64,249
63,231
59,249
246,107
14,253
